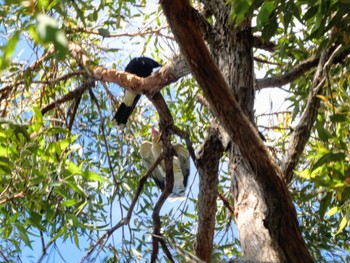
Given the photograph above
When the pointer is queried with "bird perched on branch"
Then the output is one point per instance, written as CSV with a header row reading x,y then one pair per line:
x,y
141,67
150,152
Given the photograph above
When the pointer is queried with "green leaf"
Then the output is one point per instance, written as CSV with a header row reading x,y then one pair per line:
x,y
328,157
264,14
75,221
48,32
73,168
332,211
76,237
324,204
270,29
23,234
338,117
8,50
104,32
345,220
94,176
69,203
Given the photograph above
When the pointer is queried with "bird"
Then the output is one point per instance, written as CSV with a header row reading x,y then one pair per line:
x,y
141,67
150,152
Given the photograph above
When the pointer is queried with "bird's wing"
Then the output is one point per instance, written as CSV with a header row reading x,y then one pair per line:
x,y
126,108
179,188
184,160
148,161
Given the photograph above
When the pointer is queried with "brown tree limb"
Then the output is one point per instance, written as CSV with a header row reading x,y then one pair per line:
x,y
169,73
74,109
281,220
15,196
165,124
208,165
296,72
288,77
148,31
69,96
302,131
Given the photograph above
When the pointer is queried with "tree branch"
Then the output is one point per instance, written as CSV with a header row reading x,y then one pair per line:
x,y
148,31
302,132
172,71
207,166
165,123
261,44
126,219
288,77
69,96
295,72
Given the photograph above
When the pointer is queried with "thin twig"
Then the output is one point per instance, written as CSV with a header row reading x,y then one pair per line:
x,y
94,99
156,31
126,219
69,96
226,203
16,196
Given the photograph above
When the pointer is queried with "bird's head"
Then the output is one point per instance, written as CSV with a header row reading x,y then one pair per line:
x,y
155,135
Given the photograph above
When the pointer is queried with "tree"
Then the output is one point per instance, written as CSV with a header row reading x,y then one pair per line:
x,y
68,174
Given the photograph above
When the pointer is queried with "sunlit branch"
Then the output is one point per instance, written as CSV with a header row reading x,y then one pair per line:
x,y
152,31
15,196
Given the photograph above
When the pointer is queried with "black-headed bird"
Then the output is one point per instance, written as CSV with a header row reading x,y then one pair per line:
x,y
150,152
141,67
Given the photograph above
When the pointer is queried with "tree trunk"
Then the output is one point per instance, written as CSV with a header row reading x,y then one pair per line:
x,y
265,215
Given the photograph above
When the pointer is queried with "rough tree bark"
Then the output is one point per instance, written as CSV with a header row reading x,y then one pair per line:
x,y
208,165
263,201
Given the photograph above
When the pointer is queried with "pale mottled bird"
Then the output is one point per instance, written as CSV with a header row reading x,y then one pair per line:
x,y
150,151
141,67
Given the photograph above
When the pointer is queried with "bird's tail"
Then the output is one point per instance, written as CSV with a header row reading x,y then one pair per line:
x,y
123,113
